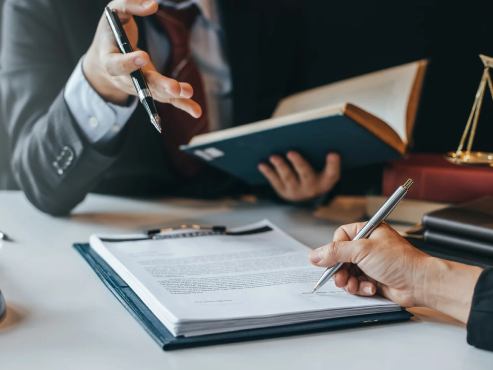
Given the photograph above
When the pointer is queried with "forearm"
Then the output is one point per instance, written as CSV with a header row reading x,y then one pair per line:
x,y
53,164
449,286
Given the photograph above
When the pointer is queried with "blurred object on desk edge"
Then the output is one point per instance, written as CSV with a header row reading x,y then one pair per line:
x,y
349,209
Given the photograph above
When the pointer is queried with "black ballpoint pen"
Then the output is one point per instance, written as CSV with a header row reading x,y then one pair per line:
x,y
140,83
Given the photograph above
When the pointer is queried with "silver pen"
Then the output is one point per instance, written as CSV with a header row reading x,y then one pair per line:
x,y
371,225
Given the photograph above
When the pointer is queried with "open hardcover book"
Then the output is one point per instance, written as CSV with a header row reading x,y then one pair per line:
x,y
367,119
200,282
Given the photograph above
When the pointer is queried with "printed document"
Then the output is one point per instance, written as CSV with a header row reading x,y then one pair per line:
x,y
200,282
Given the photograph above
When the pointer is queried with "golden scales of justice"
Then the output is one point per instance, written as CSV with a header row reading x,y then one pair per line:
x,y
468,157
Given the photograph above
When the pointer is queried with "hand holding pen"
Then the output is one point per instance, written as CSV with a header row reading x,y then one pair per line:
x,y
363,233
108,70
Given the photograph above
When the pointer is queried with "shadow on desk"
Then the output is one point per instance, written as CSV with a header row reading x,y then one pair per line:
x,y
422,314
130,221
170,216
16,314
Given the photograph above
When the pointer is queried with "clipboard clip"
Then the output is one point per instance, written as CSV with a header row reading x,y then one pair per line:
x,y
215,229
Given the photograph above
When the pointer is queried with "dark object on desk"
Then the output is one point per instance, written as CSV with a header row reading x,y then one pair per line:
x,y
472,219
468,226
4,236
451,254
459,242
3,307
167,341
437,179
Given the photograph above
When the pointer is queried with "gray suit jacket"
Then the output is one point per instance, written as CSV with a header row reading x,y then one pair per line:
x,y
292,44
54,164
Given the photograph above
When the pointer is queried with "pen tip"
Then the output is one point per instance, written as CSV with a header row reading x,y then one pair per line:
x,y
156,121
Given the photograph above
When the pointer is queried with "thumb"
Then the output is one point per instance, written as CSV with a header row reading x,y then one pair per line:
x,y
340,252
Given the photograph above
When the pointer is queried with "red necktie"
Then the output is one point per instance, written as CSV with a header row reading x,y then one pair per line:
x,y
178,126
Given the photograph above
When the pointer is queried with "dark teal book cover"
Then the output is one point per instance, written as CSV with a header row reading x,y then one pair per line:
x,y
313,139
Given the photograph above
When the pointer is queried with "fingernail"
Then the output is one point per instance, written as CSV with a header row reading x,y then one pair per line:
x,y
139,61
368,289
146,3
315,256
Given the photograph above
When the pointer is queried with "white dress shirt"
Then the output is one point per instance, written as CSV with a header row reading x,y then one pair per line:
x,y
101,121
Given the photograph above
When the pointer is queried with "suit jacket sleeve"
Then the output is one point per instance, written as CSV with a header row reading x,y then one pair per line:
x,y
52,161
480,323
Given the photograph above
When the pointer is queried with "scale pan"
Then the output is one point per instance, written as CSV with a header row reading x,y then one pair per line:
x,y
482,159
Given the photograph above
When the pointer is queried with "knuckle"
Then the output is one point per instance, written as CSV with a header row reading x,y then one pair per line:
x,y
330,251
289,178
111,71
120,66
123,5
185,85
333,177
290,195
306,176
157,87
173,86
311,193
175,102
281,193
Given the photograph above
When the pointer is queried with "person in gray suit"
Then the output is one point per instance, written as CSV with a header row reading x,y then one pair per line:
x,y
74,123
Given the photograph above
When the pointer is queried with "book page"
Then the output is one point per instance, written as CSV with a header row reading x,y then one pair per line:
x,y
384,94
213,281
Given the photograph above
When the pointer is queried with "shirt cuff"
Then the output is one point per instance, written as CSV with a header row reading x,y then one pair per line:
x,y
99,121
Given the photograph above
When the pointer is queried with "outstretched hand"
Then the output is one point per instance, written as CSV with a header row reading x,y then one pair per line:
x,y
108,70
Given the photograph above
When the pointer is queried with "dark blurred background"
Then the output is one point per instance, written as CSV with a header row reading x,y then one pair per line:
x,y
342,39
365,36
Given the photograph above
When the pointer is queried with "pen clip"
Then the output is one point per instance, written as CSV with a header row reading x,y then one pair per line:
x,y
110,17
118,30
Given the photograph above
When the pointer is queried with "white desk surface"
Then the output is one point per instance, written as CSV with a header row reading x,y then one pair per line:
x,y
60,315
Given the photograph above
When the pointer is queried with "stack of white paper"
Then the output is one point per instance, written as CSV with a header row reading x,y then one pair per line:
x,y
219,283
